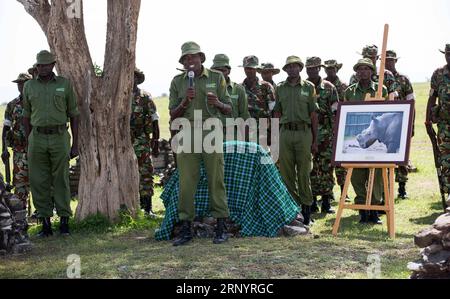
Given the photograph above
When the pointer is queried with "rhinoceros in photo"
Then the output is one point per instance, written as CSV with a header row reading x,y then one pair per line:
x,y
385,129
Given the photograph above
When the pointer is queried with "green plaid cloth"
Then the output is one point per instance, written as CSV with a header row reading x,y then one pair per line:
x,y
257,197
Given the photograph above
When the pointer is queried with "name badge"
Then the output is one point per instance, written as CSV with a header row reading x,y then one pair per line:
x,y
211,85
61,89
234,96
305,93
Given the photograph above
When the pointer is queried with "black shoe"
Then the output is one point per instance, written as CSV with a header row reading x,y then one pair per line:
x,y
326,206
373,217
314,207
347,199
402,191
185,234
364,217
221,232
64,226
146,205
306,212
46,228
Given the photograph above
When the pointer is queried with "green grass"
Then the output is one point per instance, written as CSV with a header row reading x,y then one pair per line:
x,y
128,249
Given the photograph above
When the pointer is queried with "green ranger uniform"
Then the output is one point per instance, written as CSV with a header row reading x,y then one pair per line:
x,y
440,87
296,103
360,176
189,163
49,105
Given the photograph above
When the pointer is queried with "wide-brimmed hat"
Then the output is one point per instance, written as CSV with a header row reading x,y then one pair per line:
x,y
220,61
250,61
32,69
191,48
293,59
332,63
140,76
313,62
370,51
268,67
391,54
23,77
447,49
365,61
45,57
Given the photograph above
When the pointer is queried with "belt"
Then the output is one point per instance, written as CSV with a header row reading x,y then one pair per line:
x,y
296,126
51,130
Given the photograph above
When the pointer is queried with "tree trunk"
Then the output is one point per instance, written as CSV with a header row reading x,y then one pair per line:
x,y
109,177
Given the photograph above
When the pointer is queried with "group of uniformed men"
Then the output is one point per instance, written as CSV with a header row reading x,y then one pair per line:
x,y
36,129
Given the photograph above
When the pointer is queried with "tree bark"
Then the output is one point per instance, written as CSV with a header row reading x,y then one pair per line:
x,y
109,177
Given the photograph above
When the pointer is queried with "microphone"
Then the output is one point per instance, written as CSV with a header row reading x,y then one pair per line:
x,y
191,76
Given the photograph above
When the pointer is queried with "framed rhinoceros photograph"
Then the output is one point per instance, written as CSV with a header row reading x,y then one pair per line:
x,y
373,132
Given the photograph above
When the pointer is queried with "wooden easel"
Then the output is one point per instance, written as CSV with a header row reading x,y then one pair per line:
x,y
387,169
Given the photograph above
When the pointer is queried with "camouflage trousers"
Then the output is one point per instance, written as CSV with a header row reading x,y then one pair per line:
x,y
143,153
401,174
322,179
20,177
341,173
444,148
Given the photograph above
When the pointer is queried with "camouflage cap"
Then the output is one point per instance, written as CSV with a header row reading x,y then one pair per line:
x,y
391,54
365,61
45,57
250,61
140,76
23,77
32,69
332,63
370,51
221,60
447,49
293,59
191,48
268,67
313,62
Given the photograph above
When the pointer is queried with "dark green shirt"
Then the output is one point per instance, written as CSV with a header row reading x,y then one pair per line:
x,y
295,102
357,93
49,103
209,81
239,100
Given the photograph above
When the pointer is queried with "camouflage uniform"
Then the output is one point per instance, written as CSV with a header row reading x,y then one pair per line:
x,y
142,116
16,139
440,86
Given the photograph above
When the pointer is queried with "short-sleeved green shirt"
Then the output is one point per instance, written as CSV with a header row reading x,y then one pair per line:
x,y
209,81
295,102
49,103
357,93
239,100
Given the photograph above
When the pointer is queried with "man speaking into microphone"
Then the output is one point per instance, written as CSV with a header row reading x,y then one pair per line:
x,y
204,91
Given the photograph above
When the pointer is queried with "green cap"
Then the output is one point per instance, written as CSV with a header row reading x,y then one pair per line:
x,y
23,77
293,59
45,57
332,63
250,61
221,60
447,49
191,48
268,67
365,61
32,69
313,62
140,76
390,54
370,51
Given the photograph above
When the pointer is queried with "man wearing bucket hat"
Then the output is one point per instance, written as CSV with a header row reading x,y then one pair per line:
x,y
371,52
49,101
296,107
205,93
267,71
236,91
144,121
440,114
405,92
332,67
33,71
322,179
14,136
364,69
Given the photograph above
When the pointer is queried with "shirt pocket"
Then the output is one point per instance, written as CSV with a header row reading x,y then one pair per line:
x,y
59,100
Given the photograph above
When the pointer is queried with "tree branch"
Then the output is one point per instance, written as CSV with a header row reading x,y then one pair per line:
x,y
39,10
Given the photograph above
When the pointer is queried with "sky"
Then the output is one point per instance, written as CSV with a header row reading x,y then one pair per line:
x,y
271,30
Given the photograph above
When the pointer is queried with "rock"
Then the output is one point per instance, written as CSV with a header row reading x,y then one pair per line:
x,y
442,223
203,230
414,266
446,241
209,221
440,257
290,231
427,236
300,218
448,201
297,223
433,248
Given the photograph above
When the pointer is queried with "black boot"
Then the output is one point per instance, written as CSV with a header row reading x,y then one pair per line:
x,y
306,212
46,228
146,205
221,232
64,226
326,206
185,234
347,199
364,216
402,190
314,207
373,217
